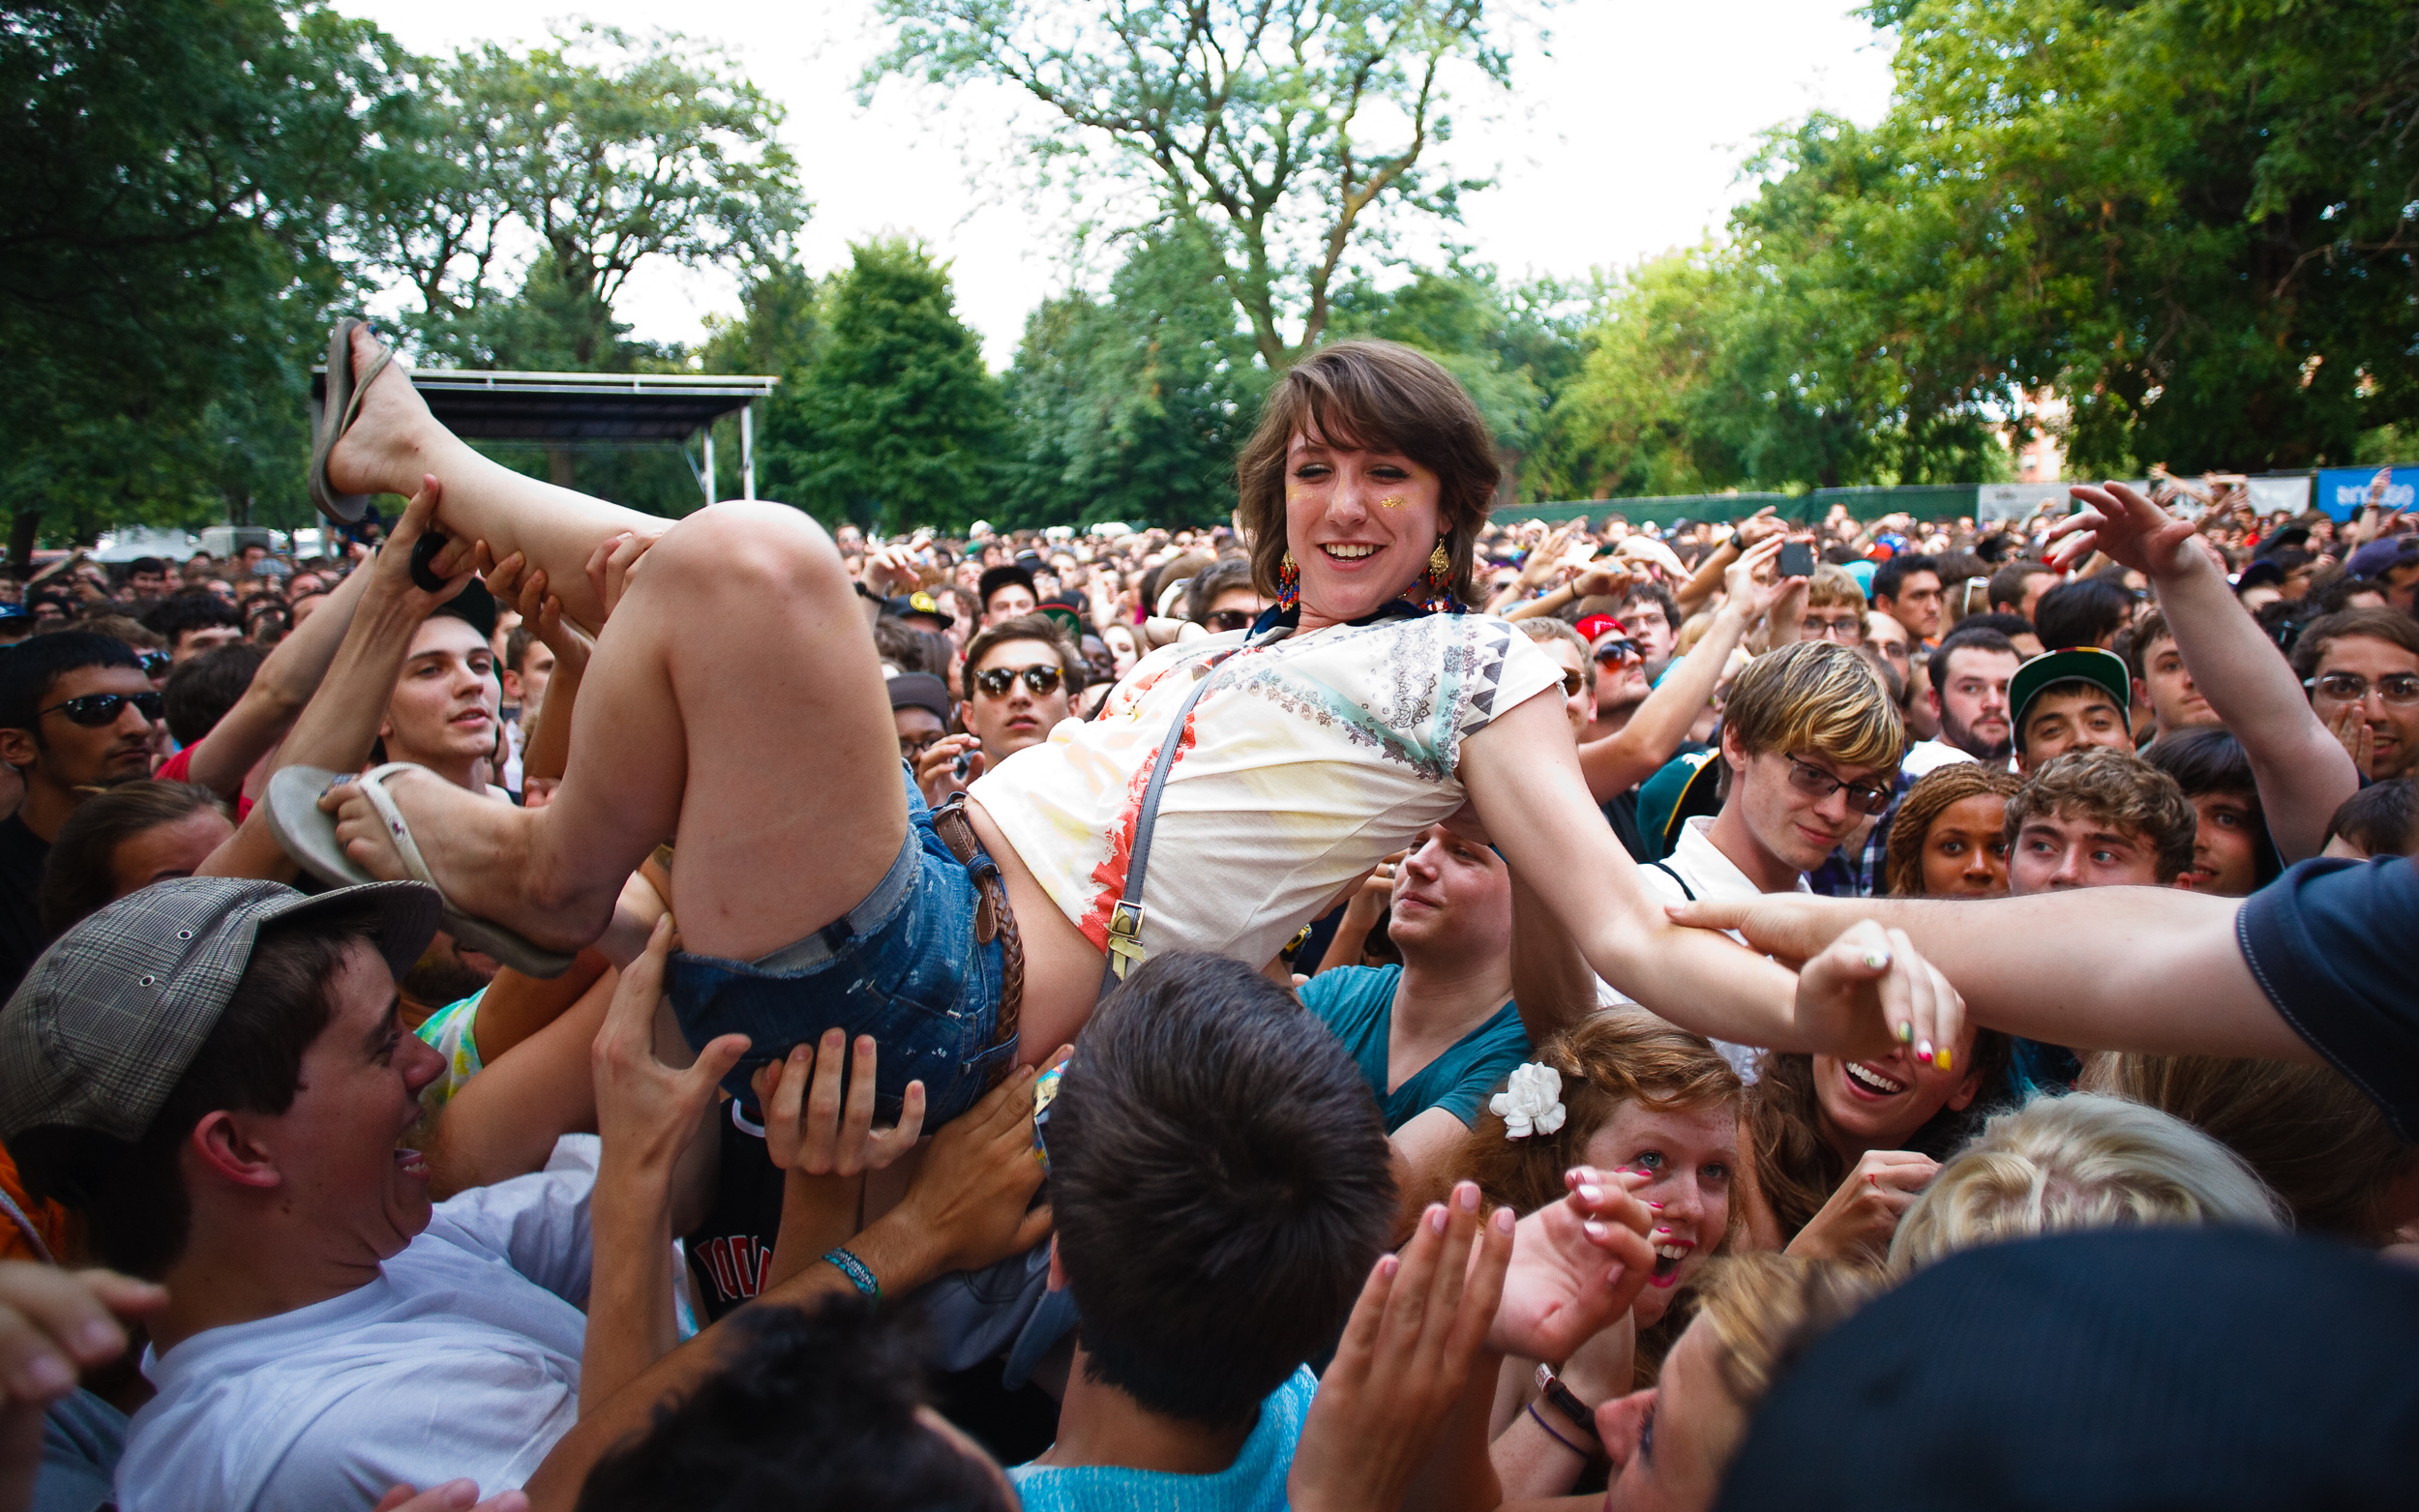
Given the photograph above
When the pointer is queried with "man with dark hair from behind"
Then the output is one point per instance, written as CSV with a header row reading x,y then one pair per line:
x,y
203,688
2088,613
195,621
75,713
2017,586
816,1411
1219,1180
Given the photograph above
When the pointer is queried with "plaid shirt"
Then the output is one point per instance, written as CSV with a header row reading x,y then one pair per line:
x,y
1860,875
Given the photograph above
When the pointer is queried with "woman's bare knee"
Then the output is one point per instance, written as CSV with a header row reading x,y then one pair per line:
x,y
749,551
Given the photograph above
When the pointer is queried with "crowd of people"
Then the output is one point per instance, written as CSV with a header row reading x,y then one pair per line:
x,y
1372,1005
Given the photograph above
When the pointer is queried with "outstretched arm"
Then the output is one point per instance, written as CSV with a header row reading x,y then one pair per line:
x,y
339,723
284,683
1523,779
2140,969
2304,773
1621,762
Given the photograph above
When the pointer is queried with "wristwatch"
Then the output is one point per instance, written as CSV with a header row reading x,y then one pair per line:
x,y
1561,1398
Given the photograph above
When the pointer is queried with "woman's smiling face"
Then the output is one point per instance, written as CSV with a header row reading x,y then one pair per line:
x,y
1688,1156
1359,524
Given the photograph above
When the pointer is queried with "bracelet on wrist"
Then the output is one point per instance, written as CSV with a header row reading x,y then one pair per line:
x,y
861,1275
1550,1433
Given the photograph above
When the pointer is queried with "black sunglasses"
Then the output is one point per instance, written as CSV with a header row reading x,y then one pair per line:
x,y
155,662
1222,620
1614,651
1041,678
96,709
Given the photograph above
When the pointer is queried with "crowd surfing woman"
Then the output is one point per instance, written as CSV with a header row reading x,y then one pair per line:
x,y
734,705
1634,1094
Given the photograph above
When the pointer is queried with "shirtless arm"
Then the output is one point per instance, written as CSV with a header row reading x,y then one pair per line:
x,y
2141,968
1523,779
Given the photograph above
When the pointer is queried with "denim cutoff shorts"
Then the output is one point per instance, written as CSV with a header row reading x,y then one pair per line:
x,y
902,967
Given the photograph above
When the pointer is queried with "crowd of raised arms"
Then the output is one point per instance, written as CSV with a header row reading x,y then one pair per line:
x,y
1371,1006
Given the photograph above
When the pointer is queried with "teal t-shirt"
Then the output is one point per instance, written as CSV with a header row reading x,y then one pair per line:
x,y
1357,1003
1254,1483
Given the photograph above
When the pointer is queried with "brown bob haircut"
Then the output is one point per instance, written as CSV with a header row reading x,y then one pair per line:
x,y
1383,398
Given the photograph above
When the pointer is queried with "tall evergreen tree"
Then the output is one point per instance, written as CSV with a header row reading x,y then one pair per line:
x,y
895,421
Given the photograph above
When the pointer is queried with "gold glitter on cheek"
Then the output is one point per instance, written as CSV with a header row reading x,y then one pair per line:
x,y
1393,501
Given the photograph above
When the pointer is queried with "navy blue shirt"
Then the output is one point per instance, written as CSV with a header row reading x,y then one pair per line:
x,y
2330,943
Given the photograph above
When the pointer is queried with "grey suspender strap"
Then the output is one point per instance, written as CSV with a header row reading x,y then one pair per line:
x,y
1126,920
1686,891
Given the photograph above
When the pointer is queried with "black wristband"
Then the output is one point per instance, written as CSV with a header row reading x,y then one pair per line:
x,y
1737,543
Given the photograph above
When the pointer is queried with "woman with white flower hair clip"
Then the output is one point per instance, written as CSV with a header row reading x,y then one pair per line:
x,y
1621,1090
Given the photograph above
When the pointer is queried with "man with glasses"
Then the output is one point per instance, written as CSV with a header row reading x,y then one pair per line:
x,y
75,716
1221,597
2361,671
1810,745
1835,607
1022,675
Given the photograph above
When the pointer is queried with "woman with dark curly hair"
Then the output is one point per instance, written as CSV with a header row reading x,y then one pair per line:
x,y
1949,839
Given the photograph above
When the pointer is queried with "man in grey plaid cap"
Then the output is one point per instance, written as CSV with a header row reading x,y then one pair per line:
x,y
215,1071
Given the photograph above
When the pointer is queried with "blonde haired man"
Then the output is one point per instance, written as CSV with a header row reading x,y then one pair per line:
x,y
1810,745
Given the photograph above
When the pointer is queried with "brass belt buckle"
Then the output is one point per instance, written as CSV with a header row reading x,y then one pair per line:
x,y
1125,937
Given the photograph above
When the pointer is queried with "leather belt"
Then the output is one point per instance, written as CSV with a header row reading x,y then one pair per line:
x,y
993,918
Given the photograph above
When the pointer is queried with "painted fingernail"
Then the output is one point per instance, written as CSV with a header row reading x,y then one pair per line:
x,y
1906,1031
1436,1218
1658,1207
1877,959
1388,1265
1922,1049
1591,1194
1466,1196
1505,1220
1595,1229
1943,1059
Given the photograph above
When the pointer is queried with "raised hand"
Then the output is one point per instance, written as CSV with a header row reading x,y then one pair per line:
x,y
2350,724
614,565
1576,1265
1869,988
967,1201
391,569
1405,1360
2127,528
809,1127
1858,1221
647,1111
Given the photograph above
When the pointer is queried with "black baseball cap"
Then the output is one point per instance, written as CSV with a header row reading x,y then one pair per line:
x,y
920,691
918,603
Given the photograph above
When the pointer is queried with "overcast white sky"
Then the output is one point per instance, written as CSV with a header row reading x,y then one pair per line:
x,y
1623,142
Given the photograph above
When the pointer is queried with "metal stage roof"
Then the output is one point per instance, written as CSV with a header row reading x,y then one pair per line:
x,y
591,407
581,406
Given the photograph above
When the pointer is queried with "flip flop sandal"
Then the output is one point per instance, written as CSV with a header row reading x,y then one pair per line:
x,y
334,416
309,835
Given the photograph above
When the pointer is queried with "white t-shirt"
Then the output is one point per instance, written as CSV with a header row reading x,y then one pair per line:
x,y
1698,863
1311,758
461,1358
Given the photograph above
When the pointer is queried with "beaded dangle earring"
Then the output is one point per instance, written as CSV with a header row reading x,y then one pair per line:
x,y
1288,584
1440,576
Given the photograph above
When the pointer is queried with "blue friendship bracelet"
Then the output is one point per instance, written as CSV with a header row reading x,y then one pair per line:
x,y
859,1274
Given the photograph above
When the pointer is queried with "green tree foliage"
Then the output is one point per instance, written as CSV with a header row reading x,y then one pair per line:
x,y
894,422
1513,349
1131,407
605,149
2194,223
1287,136
171,171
